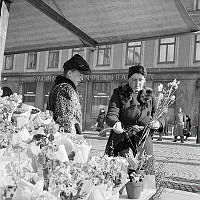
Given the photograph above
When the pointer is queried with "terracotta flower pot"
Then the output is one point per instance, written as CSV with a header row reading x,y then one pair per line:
x,y
134,189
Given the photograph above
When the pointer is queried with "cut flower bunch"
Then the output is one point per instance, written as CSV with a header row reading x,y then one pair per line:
x,y
166,97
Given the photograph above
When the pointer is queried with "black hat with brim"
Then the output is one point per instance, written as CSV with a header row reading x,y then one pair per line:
x,y
78,63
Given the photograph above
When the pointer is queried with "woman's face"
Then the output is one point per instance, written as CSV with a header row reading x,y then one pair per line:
x,y
75,76
136,82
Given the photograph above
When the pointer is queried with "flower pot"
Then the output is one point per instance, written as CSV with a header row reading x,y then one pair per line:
x,y
141,172
134,189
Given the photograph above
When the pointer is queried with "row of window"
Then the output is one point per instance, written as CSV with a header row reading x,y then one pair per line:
x,y
166,54
53,60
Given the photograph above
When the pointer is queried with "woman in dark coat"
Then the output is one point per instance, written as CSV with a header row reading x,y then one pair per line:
x,y
188,127
101,120
131,105
179,125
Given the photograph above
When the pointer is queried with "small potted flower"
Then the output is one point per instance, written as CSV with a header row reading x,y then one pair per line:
x,y
139,163
135,185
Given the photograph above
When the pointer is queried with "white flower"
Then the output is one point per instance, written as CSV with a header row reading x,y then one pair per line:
x,y
172,97
160,87
174,84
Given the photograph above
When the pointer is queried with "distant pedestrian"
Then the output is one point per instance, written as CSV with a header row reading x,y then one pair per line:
x,y
101,120
179,125
188,125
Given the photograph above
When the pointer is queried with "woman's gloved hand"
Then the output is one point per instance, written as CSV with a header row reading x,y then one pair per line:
x,y
117,128
155,124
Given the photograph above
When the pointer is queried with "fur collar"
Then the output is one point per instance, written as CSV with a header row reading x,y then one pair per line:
x,y
125,94
62,79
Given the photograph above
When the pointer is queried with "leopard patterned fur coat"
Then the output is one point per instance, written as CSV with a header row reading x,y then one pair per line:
x,y
64,103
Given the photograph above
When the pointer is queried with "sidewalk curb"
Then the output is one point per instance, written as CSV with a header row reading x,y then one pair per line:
x,y
176,143
164,140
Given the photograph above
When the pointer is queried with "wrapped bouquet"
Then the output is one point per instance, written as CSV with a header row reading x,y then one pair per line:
x,y
166,97
76,144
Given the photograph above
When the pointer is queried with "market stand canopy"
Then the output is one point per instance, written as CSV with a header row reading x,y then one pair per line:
x,y
36,25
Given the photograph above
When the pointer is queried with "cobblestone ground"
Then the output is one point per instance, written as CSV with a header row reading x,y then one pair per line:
x,y
181,163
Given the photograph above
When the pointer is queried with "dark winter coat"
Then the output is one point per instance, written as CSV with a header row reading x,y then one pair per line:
x,y
179,124
64,103
130,111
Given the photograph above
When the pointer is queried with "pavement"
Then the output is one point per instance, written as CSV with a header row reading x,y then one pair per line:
x,y
180,161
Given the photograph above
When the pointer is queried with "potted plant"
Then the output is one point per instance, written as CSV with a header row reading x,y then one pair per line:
x,y
139,163
135,185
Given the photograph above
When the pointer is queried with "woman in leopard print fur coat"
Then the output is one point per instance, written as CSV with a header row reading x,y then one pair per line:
x,y
64,98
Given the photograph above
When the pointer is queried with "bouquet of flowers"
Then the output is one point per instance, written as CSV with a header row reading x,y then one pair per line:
x,y
43,118
8,105
21,116
75,145
166,97
67,180
106,170
6,131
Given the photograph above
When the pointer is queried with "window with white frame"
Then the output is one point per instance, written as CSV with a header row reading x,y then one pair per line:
x,y
197,48
79,51
166,53
103,55
197,4
32,60
53,60
9,60
133,53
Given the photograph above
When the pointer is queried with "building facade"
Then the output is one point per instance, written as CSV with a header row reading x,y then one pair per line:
x,y
32,74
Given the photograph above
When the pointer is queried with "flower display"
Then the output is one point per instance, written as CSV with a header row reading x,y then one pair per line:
x,y
107,170
40,159
8,105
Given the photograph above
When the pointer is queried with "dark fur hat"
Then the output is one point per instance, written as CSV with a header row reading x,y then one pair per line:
x,y
137,69
78,63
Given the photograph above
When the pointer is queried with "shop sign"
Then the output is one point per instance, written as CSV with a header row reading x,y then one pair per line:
x,y
44,78
106,77
91,77
109,77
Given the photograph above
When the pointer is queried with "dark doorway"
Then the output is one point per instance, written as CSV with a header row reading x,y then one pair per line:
x,y
6,91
